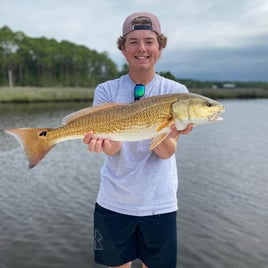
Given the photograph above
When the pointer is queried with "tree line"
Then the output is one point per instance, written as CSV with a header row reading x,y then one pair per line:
x,y
191,83
46,62
26,61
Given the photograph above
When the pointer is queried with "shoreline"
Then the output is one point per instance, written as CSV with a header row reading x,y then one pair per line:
x,y
45,94
73,94
232,93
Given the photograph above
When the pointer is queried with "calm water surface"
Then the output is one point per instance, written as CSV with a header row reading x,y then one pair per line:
x,y
46,213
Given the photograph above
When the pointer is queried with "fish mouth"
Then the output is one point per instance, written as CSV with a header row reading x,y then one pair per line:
x,y
215,117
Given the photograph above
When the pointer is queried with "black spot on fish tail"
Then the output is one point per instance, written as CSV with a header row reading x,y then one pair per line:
x,y
43,133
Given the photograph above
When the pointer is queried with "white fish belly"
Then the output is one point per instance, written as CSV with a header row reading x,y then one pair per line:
x,y
134,134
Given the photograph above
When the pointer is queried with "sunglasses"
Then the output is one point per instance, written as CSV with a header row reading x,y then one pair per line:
x,y
139,91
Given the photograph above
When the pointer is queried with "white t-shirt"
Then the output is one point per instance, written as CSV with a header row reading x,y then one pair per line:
x,y
136,181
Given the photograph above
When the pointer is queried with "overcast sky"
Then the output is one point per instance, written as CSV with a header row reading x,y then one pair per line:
x,y
207,40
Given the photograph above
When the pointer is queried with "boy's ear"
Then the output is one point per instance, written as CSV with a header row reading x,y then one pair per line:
x,y
123,51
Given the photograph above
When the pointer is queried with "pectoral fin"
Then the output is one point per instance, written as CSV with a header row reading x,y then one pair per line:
x,y
165,124
157,140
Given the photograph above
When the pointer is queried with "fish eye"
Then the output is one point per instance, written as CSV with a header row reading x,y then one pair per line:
x,y
209,104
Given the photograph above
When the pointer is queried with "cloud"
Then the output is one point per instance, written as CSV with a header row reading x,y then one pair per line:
x,y
207,39
245,63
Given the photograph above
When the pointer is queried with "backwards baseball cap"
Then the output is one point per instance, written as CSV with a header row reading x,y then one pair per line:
x,y
141,21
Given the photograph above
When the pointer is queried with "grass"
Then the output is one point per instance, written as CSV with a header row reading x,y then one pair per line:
x,y
40,94
72,94
232,93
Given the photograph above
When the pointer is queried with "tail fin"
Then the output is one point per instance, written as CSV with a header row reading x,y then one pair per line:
x,y
35,142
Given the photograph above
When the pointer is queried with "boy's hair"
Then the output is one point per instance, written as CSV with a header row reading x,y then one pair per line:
x,y
162,41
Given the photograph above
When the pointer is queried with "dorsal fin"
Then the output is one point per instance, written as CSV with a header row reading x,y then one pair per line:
x,y
73,116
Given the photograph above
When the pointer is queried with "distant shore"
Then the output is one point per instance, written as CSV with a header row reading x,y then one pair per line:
x,y
73,94
45,94
232,93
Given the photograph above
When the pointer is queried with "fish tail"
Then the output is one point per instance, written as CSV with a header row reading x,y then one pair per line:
x,y
35,143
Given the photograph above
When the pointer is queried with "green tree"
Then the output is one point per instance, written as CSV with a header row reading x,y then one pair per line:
x,y
46,62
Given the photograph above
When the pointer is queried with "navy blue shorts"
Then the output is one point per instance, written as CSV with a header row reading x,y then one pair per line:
x,y
122,238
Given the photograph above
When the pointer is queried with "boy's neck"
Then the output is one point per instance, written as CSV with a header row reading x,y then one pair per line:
x,y
141,77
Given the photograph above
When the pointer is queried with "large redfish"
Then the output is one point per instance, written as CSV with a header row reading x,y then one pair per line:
x,y
149,118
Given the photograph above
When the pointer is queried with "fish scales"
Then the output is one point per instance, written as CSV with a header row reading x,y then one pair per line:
x,y
138,115
149,118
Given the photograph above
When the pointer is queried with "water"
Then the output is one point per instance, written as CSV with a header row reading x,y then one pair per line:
x,y
46,213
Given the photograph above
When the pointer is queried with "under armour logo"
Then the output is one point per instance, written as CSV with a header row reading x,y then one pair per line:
x,y
98,237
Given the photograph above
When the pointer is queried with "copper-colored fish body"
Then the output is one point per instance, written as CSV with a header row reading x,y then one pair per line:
x,y
149,118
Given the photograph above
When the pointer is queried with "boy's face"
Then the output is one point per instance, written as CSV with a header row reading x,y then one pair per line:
x,y
141,49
